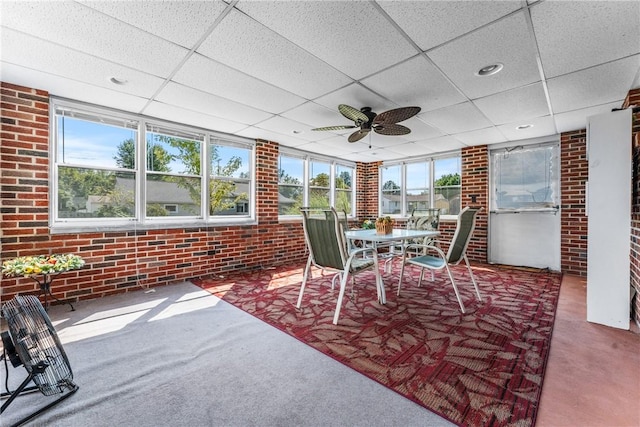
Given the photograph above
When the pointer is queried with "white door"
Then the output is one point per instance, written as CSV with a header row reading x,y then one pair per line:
x,y
524,219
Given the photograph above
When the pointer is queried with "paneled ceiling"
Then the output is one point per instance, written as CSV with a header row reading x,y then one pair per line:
x,y
277,69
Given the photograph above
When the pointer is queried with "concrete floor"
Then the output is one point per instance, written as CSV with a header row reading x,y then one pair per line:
x,y
593,373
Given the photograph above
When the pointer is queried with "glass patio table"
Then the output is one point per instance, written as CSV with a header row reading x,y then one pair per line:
x,y
396,235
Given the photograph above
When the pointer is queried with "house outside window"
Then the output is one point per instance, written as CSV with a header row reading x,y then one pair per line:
x,y
315,182
421,184
131,171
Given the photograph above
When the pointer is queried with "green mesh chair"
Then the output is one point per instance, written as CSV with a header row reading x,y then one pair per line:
x,y
433,258
328,250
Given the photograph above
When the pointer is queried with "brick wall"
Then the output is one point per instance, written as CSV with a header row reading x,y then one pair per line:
x,y
119,261
367,191
475,193
633,98
573,222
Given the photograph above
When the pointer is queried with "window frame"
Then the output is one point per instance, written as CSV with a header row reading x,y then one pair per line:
x,y
431,162
139,221
307,159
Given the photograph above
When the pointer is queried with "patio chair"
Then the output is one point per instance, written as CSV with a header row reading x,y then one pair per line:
x,y
424,219
435,259
328,250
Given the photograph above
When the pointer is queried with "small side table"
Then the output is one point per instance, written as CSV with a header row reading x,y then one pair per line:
x,y
47,266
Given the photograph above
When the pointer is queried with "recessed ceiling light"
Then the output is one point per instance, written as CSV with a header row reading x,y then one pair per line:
x,y
118,81
490,69
521,127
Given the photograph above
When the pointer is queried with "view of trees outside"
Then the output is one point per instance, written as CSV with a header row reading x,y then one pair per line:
x,y
343,186
319,184
105,186
417,186
290,185
447,185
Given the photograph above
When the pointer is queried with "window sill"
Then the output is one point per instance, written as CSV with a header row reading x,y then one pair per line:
x,y
132,226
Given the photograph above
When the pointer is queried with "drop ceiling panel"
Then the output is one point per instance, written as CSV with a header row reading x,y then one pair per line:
x,y
206,103
441,144
413,149
241,43
576,120
455,119
431,23
218,79
287,126
480,136
195,118
542,126
415,82
507,41
327,149
356,96
585,30
74,65
267,135
182,22
313,115
90,31
348,35
420,130
62,87
515,104
593,86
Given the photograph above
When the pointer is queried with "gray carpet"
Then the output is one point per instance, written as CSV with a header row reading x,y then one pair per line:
x,y
179,356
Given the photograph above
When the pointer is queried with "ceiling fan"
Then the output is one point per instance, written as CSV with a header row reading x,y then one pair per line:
x,y
384,123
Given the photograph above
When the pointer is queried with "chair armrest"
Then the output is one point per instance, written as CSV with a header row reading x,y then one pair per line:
x,y
429,248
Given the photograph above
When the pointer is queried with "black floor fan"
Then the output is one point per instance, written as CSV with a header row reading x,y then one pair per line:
x,y
31,340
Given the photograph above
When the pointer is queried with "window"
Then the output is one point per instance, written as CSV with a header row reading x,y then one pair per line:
x,y
421,184
131,171
230,183
319,184
418,186
343,195
95,166
446,185
173,172
391,193
325,183
525,177
290,185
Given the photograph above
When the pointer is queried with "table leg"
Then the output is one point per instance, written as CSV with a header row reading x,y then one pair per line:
x,y
45,288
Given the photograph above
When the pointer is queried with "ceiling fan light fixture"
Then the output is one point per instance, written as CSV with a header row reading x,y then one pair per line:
x,y
490,70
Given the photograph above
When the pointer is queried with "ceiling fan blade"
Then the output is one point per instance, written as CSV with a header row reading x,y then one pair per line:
x,y
336,128
396,115
391,129
353,114
358,135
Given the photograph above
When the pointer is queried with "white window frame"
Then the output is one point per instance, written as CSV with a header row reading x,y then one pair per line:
x,y
403,182
307,158
139,222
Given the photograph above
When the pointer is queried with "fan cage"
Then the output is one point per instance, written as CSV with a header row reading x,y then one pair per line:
x,y
37,344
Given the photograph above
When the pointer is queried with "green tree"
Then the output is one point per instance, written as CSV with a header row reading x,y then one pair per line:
x,y
158,159
448,179
76,184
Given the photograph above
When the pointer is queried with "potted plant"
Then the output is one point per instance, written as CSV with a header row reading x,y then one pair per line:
x,y
384,225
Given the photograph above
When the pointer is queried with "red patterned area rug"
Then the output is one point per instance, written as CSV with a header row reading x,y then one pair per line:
x,y
482,368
